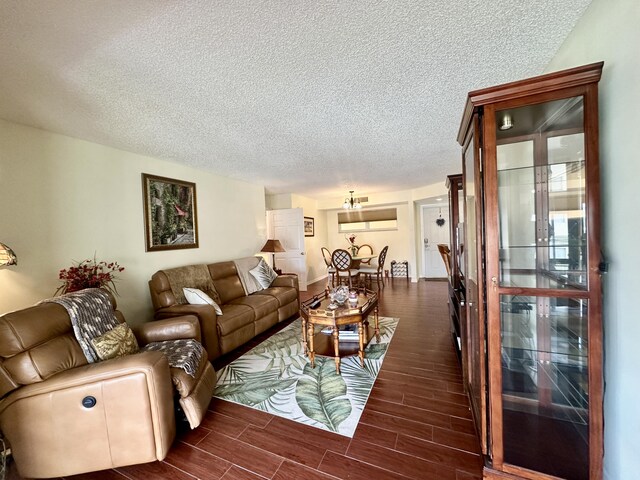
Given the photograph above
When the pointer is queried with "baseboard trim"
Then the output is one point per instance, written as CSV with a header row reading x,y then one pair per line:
x,y
317,279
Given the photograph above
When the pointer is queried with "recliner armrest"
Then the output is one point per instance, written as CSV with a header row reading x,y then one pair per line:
x,y
286,280
207,318
175,328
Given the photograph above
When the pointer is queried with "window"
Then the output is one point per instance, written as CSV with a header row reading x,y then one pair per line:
x,y
368,220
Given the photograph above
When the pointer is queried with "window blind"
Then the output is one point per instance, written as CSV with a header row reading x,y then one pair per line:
x,y
367,215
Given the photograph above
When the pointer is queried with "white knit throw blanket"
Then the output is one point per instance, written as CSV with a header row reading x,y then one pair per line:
x,y
92,315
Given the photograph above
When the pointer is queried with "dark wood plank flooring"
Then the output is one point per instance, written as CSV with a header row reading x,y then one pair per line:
x,y
416,424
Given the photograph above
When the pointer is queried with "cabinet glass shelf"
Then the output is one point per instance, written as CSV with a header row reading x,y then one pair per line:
x,y
559,279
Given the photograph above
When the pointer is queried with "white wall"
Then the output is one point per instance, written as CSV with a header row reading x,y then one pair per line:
x,y
63,199
278,202
610,31
316,268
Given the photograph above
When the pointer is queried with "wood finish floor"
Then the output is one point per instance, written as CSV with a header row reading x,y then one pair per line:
x,y
416,424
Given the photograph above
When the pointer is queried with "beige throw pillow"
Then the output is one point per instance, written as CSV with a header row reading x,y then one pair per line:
x,y
264,274
117,342
198,297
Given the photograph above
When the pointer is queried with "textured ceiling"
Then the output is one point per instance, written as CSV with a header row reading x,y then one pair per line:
x,y
310,97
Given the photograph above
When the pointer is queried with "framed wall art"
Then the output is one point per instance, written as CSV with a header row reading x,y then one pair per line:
x,y
170,214
309,227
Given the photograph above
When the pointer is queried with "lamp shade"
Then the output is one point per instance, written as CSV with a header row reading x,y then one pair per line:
x,y
273,246
7,257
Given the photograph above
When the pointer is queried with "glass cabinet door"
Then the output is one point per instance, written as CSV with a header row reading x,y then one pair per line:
x,y
545,395
541,196
542,280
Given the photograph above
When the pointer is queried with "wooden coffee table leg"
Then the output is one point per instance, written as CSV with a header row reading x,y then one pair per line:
x,y
377,327
361,330
336,348
304,335
311,353
366,329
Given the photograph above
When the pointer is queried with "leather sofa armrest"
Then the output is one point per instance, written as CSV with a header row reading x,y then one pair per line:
x,y
286,280
207,318
175,328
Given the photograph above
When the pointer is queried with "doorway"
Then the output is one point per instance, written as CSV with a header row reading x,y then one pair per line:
x,y
435,230
287,225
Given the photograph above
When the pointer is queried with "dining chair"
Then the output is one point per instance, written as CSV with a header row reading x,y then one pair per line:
x,y
331,270
341,260
445,253
376,270
365,249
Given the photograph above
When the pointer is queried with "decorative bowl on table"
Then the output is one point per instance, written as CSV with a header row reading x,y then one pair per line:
x,y
339,295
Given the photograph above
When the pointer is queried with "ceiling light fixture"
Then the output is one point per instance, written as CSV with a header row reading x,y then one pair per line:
x,y
507,122
350,203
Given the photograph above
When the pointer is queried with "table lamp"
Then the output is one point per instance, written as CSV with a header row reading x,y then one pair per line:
x,y
7,257
273,246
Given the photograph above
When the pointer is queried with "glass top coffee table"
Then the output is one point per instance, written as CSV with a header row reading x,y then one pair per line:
x,y
331,345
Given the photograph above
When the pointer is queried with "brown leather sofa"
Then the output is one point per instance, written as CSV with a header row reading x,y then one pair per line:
x,y
47,386
243,316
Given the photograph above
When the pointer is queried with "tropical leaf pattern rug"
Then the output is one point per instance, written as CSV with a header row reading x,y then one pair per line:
x,y
276,377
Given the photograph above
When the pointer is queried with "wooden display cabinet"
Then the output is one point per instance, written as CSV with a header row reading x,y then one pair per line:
x,y
456,277
532,275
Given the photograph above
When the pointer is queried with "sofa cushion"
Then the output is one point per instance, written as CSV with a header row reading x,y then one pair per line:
x,y
226,281
262,305
284,295
234,317
190,276
236,338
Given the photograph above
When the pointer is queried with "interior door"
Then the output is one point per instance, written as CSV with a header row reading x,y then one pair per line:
x,y
433,234
287,225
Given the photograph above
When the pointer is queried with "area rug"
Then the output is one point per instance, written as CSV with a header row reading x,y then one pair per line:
x,y
276,377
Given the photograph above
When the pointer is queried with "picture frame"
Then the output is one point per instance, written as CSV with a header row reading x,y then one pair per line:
x,y
170,213
309,227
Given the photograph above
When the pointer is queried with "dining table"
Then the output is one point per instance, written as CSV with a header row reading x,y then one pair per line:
x,y
357,259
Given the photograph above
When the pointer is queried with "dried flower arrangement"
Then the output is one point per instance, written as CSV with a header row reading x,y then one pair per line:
x,y
89,274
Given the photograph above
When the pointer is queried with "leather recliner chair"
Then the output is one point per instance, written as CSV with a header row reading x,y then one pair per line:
x,y
63,416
